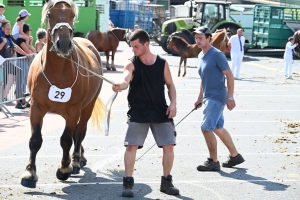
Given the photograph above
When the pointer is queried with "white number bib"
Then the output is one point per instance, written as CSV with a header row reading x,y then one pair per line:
x,y
59,95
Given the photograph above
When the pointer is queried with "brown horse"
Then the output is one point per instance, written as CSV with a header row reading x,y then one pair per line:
x,y
106,42
57,84
186,50
297,40
220,39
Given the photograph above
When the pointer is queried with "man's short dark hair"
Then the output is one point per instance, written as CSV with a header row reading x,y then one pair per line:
x,y
141,35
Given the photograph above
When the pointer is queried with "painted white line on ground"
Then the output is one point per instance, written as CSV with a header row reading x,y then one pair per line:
x,y
122,135
229,110
199,121
157,182
208,189
254,90
148,154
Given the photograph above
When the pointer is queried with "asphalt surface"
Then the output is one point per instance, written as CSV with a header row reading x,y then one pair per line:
x,y
264,127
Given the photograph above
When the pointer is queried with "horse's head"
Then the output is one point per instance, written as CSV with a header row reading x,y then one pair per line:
x,y
297,40
176,43
119,33
220,39
127,36
59,16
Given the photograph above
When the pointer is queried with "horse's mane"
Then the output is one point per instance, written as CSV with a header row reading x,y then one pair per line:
x,y
52,3
88,57
179,41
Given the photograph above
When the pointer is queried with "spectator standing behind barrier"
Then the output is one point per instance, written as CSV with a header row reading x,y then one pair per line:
x,y
2,10
25,63
41,35
288,56
147,74
213,94
236,45
6,47
136,27
17,31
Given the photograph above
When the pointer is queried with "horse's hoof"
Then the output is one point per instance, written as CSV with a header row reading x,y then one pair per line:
x,y
108,68
76,170
28,183
113,68
183,75
82,164
62,176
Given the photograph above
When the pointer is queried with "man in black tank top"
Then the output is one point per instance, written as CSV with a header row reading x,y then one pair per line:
x,y
146,74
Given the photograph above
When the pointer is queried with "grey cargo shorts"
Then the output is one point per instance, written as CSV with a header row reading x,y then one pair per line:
x,y
164,133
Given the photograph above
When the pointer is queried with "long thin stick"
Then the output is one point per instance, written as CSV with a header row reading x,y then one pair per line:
x,y
175,126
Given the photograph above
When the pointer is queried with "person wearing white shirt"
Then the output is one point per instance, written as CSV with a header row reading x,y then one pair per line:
x,y
288,57
236,45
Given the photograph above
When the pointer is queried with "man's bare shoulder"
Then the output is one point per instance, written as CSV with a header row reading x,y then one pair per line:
x,y
129,66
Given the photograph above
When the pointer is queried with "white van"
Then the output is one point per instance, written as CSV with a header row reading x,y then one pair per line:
x,y
245,18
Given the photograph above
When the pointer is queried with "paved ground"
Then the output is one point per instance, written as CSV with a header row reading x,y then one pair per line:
x,y
264,126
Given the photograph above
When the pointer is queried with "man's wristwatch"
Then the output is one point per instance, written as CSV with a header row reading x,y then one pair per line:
x,y
230,98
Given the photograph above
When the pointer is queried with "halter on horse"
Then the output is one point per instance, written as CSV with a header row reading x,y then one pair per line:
x,y
58,85
106,42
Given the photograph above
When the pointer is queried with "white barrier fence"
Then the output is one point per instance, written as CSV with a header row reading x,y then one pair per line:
x,y
13,81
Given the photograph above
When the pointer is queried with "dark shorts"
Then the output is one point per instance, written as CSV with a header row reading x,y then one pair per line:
x,y
164,133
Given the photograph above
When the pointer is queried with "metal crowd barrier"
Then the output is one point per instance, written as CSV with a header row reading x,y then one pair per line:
x,y
13,81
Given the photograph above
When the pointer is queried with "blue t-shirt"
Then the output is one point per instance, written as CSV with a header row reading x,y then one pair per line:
x,y
210,69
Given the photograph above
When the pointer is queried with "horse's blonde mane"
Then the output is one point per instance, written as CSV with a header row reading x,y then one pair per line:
x,y
52,3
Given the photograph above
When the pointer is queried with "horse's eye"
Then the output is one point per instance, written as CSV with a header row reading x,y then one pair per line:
x,y
48,16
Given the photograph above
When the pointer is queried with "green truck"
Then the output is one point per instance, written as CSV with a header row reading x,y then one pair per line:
x,y
273,25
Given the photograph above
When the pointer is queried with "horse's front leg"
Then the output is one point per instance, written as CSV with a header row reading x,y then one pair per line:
x,y
184,67
113,59
180,66
78,159
65,168
29,177
107,60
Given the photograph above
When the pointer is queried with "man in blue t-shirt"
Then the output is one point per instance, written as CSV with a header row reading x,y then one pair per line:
x,y
214,96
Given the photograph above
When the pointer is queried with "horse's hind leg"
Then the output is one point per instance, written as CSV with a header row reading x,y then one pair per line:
x,y
107,60
113,59
65,169
78,159
180,66
29,177
184,67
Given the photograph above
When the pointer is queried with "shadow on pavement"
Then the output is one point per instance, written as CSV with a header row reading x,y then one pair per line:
x,y
99,188
241,174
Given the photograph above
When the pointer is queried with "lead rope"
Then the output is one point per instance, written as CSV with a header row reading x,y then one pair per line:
x,y
48,79
174,126
109,102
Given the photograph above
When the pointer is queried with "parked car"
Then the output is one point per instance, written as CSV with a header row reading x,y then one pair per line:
x,y
168,15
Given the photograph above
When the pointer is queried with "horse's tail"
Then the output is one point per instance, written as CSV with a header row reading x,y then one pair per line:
x,y
98,114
